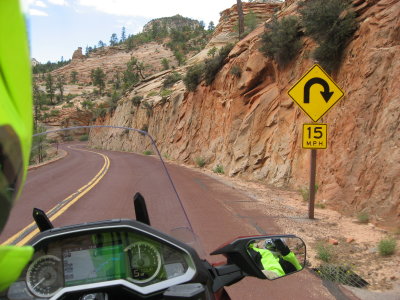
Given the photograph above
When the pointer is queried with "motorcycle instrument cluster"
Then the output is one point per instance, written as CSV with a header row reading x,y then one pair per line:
x,y
143,263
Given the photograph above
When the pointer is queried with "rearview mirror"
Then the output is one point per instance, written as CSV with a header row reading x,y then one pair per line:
x,y
266,257
277,256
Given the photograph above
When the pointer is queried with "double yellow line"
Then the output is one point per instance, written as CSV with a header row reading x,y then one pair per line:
x,y
60,208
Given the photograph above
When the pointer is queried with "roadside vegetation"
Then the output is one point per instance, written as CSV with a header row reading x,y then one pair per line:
x,y
207,70
282,40
330,24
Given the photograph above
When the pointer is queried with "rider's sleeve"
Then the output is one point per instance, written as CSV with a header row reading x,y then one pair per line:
x,y
293,260
270,262
13,259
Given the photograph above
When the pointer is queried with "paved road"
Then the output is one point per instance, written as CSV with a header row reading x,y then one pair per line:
x,y
218,213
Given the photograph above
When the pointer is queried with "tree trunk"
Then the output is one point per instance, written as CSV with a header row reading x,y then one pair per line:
x,y
240,18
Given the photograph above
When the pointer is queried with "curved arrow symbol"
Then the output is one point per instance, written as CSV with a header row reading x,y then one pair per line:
x,y
326,93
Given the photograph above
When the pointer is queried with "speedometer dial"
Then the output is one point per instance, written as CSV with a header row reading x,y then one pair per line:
x,y
44,276
145,261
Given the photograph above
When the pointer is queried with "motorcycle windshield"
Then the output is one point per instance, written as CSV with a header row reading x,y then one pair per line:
x,y
94,173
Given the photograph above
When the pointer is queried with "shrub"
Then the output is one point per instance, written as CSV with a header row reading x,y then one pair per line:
x,y
54,113
136,100
213,65
324,252
87,104
282,41
363,217
219,169
148,107
84,137
330,24
68,138
165,93
147,152
387,246
171,79
145,128
165,63
305,192
200,161
193,77
236,71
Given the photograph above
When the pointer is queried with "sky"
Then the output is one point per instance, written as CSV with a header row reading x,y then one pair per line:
x,y
58,27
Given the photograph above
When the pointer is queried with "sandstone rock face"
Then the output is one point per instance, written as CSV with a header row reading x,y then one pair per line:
x,y
170,23
114,59
249,124
78,54
225,32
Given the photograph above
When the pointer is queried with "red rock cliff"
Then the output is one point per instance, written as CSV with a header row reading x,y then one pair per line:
x,y
251,127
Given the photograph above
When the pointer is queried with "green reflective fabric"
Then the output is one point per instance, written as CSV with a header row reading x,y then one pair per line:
x,y
15,101
269,261
291,257
13,259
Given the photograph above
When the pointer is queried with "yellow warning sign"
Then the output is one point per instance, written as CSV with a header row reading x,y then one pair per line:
x,y
316,93
315,136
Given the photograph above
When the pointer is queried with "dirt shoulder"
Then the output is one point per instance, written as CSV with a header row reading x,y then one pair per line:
x,y
356,244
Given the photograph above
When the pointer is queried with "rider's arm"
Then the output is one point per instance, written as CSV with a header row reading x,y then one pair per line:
x,y
291,257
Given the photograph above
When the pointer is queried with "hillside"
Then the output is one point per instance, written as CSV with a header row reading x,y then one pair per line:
x,y
249,125
252,128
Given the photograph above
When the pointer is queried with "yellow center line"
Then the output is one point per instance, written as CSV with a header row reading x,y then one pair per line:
x,y
83,190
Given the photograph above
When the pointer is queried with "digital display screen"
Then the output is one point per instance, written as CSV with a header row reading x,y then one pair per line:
x,y
82,266
174,270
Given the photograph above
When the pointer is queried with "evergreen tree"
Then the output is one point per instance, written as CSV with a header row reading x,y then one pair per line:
x,y
50,87
211,26
74,77
113,39
240,18
123,35
37,104
98,78
101,44
60,86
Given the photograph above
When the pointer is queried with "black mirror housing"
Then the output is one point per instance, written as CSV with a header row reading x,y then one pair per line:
x,y
266,257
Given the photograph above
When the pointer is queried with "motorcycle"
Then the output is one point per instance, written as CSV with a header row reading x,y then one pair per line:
x,y
155,255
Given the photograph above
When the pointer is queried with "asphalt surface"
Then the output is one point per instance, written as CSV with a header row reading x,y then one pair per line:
x,y
218,213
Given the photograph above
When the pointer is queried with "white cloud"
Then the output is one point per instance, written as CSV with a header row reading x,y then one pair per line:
x,y
40,4
206,10
59,2
36,12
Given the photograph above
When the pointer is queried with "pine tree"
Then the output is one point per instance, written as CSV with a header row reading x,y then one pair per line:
x,y
50,87
123,35
240,18
98,78
113,39
60,86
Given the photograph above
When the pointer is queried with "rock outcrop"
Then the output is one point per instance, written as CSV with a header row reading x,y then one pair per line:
x,y
78,54
171,23
249,125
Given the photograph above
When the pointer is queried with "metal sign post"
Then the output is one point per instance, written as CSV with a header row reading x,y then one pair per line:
x,y
316,93
313,172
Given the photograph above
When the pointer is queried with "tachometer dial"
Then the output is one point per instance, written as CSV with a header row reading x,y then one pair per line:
x,y
44,276
145,261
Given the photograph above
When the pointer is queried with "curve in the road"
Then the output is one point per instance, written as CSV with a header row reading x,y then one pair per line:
x,y
25,234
